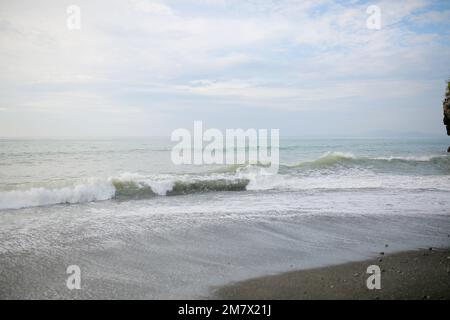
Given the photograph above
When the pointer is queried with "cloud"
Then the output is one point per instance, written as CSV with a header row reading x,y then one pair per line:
x,y
432,17
328,91
275,55
152,7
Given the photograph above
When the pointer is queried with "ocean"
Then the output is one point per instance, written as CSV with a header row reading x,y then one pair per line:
x,y
139,226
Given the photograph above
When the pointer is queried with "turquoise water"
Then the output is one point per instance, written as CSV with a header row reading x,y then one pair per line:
x,y
141,227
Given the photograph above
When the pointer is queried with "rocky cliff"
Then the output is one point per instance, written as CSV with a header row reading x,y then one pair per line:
x,y
446,106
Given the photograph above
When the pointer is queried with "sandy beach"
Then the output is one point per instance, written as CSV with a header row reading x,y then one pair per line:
x,y
421,274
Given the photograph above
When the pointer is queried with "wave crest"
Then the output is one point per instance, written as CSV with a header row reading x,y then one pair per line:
x,y
91,191
124,187
331,159
333,170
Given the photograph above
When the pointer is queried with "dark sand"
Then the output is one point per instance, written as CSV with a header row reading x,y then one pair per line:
x,y
422,274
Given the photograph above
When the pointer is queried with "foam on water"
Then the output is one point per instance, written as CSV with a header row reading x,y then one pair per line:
x,y
332,171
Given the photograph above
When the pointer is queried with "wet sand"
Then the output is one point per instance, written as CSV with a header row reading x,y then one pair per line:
x,y
421,274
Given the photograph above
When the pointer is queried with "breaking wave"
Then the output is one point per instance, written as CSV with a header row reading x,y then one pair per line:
x,y
125,187
34,197
438,163
334,170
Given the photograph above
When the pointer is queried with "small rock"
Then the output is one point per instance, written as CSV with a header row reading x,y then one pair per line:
x,y
382,253
356,274
386,245
380,260
431,249
331,287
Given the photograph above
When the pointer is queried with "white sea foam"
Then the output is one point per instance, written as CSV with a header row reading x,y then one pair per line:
x,y
321,174
93,190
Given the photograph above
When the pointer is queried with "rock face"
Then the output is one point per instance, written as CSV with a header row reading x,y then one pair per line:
x,y
446,106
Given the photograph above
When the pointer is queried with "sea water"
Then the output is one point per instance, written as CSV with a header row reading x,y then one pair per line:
x,y
139,226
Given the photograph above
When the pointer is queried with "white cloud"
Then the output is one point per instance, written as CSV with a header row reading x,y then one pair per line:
x,y
433,17
393,12
146,54
152,7
252,89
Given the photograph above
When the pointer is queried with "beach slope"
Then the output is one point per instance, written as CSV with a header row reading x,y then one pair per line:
x,y
421,274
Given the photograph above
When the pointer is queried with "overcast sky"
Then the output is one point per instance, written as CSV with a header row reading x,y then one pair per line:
x,y
143,67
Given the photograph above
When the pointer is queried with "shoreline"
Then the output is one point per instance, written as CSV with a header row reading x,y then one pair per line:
x,y
418,274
